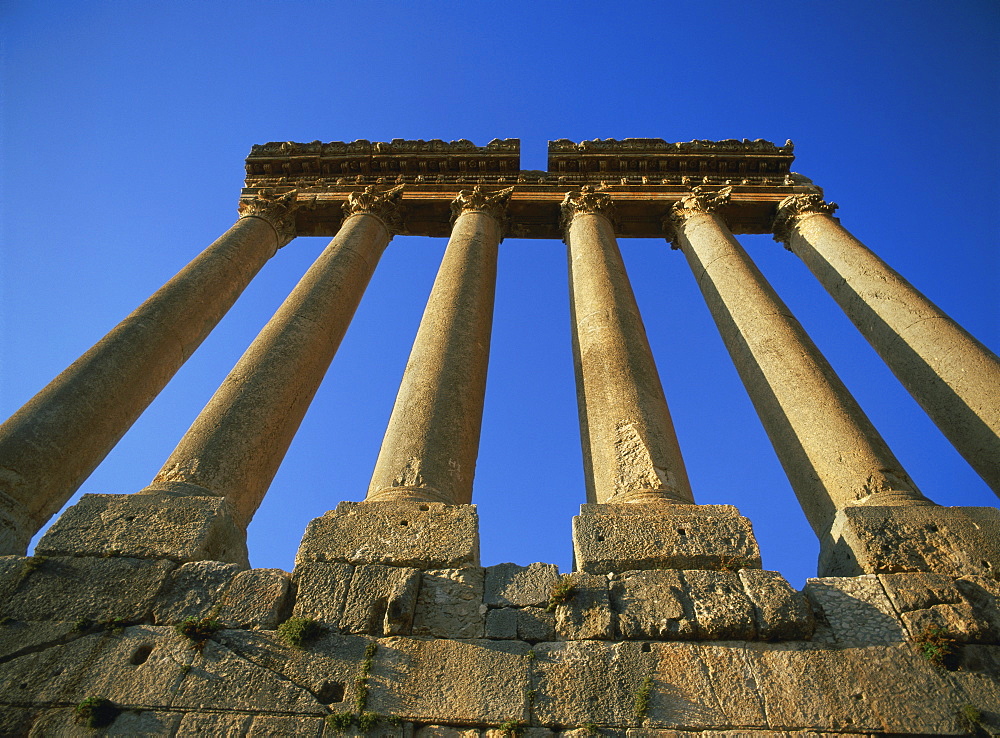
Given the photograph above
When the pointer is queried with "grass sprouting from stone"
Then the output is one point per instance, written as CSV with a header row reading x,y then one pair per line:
x,y
300,632
198,630
339,722
937,646
97,712
642,696
562,592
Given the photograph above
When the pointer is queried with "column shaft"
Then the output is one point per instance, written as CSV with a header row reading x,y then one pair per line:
x,y
432,440
52,444
832,454
953,377
235,446
630,449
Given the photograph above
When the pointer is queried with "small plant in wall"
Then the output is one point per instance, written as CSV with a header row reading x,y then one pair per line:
x,y
97,712
562,592
198,630
300,632
937,646
339,722
511,727
642,695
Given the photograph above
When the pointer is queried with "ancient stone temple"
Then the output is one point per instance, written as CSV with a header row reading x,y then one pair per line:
x,y
138,614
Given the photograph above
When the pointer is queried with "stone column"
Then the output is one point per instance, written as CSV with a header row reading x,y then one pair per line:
x,y
217,476
852,488
951,374
52,444
630,450
432,441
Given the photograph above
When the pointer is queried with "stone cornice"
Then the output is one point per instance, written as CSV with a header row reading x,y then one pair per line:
x,y
794,207
278,210
384,205
492,203
587,199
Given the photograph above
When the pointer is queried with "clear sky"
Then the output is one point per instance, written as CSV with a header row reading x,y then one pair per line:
x,y
125,124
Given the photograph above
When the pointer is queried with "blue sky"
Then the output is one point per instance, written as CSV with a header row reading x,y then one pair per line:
x,y
125,124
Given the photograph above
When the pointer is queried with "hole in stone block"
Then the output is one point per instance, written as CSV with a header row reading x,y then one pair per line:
x,y
425,508
599,537
22,686
646,648
987,565
681,532
330,692
404,523
141,654
932,528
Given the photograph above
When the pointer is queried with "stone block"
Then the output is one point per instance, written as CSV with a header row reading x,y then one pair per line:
x,y
510,585
132,723
501,623
983,594
74,588
535,624
935,601
193,591
257,598
428,535
587,612
381,600
780,613
945,540
450,604
523,732
148,526
652,605
722,610
625,537
856,609
446,681
321,591
959,622
443,731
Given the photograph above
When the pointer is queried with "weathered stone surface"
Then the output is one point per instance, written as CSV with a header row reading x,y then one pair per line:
x,y
510,585
474,682
381,600
425,535
535,624
856,609
625,537
501,623
848,689
193,591
443,731
18,636
450,604
983,594
652,604
934,601
321,591
978,680
919,590
71,588
148,526
722,611
258,598
587,613
957,621
945,540
780,612
144,724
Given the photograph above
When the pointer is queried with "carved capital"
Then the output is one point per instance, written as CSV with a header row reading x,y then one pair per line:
x,y
587,199
700,202
794,207
491,203
278,210
384,205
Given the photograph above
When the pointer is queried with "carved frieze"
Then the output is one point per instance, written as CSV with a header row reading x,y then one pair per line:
x,y
795,206
493,203
384,205
278,210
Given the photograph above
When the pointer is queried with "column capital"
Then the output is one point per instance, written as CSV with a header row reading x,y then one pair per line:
x,y
587,199
278,210
795,206
385,205
491,203
701,201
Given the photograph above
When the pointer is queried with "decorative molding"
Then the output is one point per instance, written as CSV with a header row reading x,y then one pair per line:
x,y
587,199
383,204
491,203
794,207
701,201
611,145
278,210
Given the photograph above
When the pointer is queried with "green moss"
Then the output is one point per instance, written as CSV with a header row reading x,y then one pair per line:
x,y
300,632
198,630
591,728
367,721
97,712
511,727
642,696
339,722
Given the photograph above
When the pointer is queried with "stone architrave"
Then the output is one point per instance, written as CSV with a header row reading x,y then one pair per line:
x,y
52,444
832,454
630,449
234,447
953,376
432,440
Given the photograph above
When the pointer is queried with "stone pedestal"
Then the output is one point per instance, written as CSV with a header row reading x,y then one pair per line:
x,y
425,535
148,526
654,535
956,541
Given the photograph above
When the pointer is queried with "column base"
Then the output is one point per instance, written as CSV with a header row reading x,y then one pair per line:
x,y
945,540
148,526
16,527
628,537
425,535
